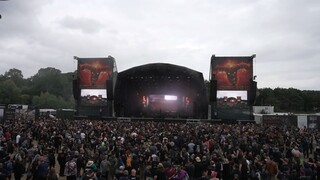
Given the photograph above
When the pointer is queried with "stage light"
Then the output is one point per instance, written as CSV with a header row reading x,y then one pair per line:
x,y
187,100
170,98
232,100
144,101
94,98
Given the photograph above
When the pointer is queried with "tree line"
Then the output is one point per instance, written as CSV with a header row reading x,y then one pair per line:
x,y
289,100
50,88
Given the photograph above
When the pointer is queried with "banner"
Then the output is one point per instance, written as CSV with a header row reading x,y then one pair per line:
x,y
232,73
302,121
313,122
93,73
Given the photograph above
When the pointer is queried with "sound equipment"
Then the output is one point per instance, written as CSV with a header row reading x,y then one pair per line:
x,y
213,90
109,89
76,90
252,92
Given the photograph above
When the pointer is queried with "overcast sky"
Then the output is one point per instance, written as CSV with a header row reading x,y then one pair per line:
x,y
284,35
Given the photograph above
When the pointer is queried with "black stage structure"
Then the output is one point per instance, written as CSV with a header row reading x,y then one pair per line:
x,y
160,90
93,87
232,88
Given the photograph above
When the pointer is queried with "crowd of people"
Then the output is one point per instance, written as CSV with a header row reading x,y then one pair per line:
x,y
88,149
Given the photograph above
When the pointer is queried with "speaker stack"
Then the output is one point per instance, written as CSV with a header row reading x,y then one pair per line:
x,y
76,89
213,90
252,92
109,89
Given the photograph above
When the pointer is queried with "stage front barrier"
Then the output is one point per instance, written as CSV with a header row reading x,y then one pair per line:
x,y
245,121
193,121
124,119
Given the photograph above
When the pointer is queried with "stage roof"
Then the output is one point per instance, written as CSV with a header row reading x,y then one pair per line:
x,y
160,69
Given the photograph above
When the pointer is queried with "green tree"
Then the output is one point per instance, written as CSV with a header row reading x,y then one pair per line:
x,y
16,76
311,100
9,92
47,80
46,100
296,101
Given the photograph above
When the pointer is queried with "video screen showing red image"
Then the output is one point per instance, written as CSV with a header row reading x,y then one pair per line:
x,y
93,73
232,73
232,104
93,96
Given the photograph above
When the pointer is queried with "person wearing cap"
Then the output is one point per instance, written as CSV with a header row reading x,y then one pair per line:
x,y
89,175
92,165
198,167
90,169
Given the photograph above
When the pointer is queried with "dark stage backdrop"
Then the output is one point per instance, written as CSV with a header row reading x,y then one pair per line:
x,y
161,90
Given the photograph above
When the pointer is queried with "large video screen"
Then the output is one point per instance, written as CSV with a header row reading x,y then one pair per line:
x,y
93,96
94,72
232,105
232,73
164,103
238,95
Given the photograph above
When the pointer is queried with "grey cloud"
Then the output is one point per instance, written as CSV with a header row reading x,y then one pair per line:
x,y
86,25
283,34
